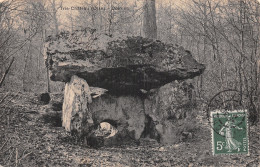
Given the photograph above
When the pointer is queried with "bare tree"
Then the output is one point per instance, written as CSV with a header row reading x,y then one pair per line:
x,y
6,72
54,14
149,20
227,33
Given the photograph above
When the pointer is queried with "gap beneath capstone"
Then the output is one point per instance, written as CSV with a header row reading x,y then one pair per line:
x,y
106,130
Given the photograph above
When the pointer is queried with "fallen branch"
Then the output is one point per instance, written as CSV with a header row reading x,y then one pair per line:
x,y
16,158
3,145
10,99
24,156
6,72
10,147
4,97
10,156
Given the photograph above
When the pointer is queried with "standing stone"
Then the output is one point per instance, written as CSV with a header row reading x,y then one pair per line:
x,y
169,108
76,117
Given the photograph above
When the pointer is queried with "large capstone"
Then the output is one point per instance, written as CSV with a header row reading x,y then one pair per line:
x,y
120,64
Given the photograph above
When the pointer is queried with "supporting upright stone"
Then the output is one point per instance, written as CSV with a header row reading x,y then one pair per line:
x,y
75,114
169,108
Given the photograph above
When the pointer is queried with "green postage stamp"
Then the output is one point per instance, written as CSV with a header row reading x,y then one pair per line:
x,y
229,132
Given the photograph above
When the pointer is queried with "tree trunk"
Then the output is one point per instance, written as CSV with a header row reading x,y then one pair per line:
x,y
55,17
100,16
258,93
26,57
149,20
6,72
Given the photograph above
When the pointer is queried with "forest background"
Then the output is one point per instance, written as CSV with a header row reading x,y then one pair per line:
x,y
223,35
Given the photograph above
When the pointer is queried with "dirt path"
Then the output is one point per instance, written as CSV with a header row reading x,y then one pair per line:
x,y
28,137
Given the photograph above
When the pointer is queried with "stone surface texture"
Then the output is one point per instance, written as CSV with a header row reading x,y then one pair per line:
x,y
169,107
120,64
76,116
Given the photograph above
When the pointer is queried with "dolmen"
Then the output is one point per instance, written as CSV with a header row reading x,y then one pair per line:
x,y
120,89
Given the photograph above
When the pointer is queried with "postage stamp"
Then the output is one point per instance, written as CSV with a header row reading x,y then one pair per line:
x,y
229,132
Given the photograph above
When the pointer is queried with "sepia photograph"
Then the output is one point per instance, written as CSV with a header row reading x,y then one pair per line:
x,y
129,83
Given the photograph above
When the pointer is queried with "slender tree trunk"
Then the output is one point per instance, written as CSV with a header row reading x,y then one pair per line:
x,y
100,15
257,56
55,17
205,20
110,19
149,20
170,27
25,66
241,19
93,17
39,55
199,79
47,67
258,93
48,80
6,72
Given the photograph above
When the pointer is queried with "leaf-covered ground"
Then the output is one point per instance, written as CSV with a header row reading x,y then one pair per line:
x,y
31,135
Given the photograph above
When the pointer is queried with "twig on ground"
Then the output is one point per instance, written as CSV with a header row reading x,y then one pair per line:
x,y
2,115
8,120
3,145
7,149
24,156
10,99
10,156
16,157
4,97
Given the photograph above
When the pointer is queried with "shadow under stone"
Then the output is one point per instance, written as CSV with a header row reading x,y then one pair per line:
x,y
53,118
